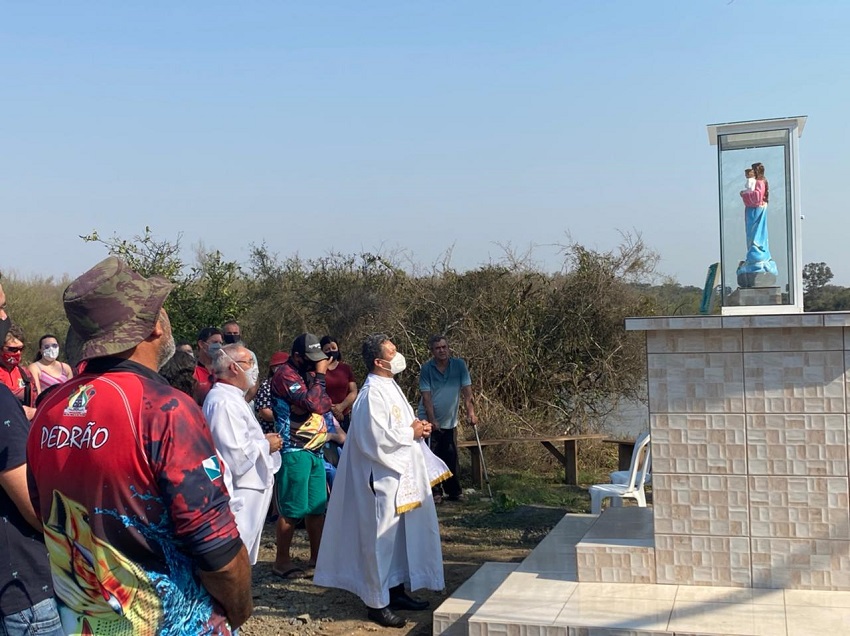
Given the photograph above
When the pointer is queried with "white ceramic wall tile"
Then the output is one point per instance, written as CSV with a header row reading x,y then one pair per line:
x,y
615,564
711,505
804,339
812,564
696,383
794,382
797,444
699,560
799,507
689,444
694,341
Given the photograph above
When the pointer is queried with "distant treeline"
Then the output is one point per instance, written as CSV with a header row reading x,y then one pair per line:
x,y
548,352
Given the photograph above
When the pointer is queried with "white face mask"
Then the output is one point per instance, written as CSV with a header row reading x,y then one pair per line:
x,y
50,352
397,364
252,374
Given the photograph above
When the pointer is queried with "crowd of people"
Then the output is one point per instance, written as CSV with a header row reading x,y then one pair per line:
x,y
136,478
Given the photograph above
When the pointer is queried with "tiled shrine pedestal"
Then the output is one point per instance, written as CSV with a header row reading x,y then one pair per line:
x,y
748,416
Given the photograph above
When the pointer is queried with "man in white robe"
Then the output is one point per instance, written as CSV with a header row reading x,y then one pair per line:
x,y
251,458
381,530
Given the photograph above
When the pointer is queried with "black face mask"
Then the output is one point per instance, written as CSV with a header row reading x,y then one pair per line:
x,y
230,338
334,355
306,366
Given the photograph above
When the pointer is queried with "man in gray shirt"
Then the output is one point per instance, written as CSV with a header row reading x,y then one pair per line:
x,y
442,382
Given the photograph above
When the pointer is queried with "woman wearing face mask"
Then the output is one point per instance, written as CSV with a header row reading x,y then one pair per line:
x,y
339,382
13,375
47,370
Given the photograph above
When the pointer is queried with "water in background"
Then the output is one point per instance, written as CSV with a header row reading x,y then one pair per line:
x,y
628,420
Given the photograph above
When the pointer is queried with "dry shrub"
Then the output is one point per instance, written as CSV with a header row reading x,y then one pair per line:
x,y
548,353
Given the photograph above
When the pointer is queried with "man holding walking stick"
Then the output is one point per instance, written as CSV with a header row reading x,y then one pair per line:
x,y
443,380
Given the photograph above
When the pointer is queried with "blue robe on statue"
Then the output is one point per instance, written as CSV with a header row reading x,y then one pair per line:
x,y
758,259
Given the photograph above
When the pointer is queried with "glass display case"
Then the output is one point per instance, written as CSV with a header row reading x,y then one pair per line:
x,y
760,254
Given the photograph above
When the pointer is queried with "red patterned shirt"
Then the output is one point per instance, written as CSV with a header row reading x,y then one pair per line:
x,y
124,475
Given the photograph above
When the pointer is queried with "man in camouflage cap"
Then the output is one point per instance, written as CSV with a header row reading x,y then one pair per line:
x,y
123,469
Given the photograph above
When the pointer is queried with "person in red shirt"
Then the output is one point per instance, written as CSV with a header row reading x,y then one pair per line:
x,y
12,374
124,476
339,379
210,340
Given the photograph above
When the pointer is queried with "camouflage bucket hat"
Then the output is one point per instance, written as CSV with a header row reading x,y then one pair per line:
x,y
111,308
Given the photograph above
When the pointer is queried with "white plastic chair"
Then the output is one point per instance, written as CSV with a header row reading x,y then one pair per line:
x,y
641,461
622,476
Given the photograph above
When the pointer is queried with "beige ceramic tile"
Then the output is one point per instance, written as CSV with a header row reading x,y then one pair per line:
x,y
836,319
671,322
718,594
693,341
625,591
809,621
727,618
799,507
615,564
802,339
612,631
847,373
510,628
695,383
534,586
785,321
536,612
646,614
794,382
809,564
702,560
689,444
797,444
817,598
713,505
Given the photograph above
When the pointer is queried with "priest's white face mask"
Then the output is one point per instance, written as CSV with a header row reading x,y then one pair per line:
x,y
397,364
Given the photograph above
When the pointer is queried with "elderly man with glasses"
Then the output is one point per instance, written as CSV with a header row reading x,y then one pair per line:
x,y
251,458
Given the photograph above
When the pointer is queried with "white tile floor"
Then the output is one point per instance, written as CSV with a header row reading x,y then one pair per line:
x,y
541,597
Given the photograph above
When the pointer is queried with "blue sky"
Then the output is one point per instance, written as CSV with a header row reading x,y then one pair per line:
x,y
413,126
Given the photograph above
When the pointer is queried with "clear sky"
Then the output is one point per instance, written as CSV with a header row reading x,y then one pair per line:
x,y
421,126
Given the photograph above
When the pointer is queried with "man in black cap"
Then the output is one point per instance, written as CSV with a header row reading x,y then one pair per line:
x,y
125,478
299,403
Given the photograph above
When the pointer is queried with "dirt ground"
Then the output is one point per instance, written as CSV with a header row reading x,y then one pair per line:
x,y
472,533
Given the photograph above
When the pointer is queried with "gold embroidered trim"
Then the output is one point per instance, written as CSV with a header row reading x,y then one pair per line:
x,y
407,507
441,478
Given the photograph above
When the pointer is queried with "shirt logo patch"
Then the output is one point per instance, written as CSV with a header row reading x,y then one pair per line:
x,y
212,467
396,412
294,387
79,400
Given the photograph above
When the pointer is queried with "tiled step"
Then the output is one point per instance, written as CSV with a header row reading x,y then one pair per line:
x,y
618,548
452,616
542,597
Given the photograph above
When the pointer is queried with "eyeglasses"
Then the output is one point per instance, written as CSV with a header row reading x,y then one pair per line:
x,y
12,349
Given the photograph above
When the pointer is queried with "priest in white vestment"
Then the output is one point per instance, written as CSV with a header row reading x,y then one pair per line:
x,y
250,457
381,530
